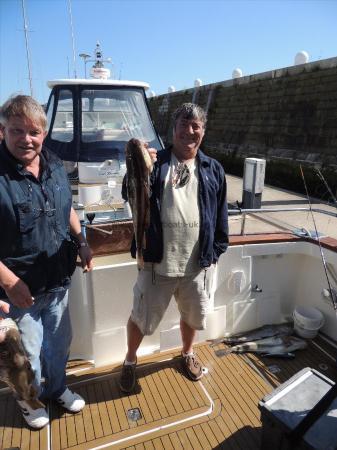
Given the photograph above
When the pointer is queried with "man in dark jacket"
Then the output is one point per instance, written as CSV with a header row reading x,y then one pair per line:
x,y
188,232
37,256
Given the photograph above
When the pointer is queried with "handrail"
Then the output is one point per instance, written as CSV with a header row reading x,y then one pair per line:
x,y
244,212
233,212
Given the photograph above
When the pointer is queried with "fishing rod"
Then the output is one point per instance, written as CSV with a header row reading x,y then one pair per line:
x,y
321,177
332,295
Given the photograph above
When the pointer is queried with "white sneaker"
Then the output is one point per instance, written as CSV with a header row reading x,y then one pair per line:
x,y
36,418
71,401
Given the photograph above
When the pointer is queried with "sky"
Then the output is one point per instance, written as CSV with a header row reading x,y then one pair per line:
x,y
165,43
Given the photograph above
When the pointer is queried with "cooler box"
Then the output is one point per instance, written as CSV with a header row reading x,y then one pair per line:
x,y
286,407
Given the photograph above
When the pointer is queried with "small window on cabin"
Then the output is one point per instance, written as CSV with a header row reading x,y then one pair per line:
x,y
63,129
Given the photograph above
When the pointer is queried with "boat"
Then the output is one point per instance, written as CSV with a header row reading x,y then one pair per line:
x,y
262,277
271,267
89,123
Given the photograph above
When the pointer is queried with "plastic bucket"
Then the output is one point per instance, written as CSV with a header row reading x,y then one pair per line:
x,y
307,321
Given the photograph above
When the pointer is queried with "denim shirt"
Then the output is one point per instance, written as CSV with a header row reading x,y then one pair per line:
x,y
212,197
34,216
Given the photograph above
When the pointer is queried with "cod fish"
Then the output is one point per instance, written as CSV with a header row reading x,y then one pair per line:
x,y
139,166
283,329
15,368
276,345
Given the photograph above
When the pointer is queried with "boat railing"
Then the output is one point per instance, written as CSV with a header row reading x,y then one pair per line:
x,y
110,231
288,222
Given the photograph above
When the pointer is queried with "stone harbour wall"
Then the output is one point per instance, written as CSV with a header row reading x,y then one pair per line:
x,y
287,116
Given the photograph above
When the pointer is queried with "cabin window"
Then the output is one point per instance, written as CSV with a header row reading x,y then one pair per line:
x,y
115,115
63,129
50,110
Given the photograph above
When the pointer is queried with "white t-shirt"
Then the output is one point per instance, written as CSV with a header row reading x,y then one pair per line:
x,y
181,222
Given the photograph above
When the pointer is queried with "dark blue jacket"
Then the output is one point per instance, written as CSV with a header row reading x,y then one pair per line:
x,y
213,237
34,223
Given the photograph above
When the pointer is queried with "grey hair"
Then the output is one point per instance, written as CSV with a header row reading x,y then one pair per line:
x,y
23,106
189,111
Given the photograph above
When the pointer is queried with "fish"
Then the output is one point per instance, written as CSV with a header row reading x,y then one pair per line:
x,y
283,329
276,345
139,167
15,368
279,355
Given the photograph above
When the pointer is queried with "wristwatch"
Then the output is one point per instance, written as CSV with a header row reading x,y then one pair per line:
x,y
82,244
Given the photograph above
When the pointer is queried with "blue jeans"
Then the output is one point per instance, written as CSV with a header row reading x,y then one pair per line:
x,y
46,336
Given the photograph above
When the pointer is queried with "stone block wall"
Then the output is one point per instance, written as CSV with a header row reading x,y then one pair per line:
x,y
284,115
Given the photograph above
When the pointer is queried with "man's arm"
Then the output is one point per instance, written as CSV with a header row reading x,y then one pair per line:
x,y
221,230
84,250
17,290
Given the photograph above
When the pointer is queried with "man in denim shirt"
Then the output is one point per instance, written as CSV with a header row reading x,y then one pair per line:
x,y
37,255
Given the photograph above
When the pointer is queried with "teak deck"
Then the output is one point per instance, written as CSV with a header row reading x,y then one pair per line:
x,y
219,411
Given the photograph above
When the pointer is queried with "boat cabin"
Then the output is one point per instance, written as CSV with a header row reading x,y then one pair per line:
x,y
89,123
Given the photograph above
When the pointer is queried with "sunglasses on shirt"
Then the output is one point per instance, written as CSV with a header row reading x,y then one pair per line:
x,y
181,175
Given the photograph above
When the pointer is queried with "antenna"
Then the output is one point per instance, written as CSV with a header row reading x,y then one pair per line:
x,y
72,37
85,56
120,71
25,27
98,70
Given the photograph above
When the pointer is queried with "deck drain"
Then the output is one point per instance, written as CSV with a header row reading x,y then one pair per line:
x,y
274,368
134,414
323,366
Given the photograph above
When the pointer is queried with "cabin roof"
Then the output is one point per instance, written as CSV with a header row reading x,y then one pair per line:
x,y
97,82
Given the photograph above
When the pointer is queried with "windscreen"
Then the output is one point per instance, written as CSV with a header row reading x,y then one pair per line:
x,y
111,117
95,124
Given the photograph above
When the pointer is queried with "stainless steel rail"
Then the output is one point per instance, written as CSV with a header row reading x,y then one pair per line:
x,y
262,210
245,212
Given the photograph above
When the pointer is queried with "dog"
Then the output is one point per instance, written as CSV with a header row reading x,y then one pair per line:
x,y
15,368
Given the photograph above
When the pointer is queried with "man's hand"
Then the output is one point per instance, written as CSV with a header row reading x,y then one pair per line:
x,y
4,307
152,152
19,294
85,255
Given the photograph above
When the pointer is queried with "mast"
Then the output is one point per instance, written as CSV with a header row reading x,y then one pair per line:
x,y
72,37
25,27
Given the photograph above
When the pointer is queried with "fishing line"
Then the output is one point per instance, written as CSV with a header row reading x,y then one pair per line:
x,y
334,303
321,177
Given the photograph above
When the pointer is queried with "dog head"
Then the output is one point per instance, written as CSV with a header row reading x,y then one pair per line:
x,y
15,368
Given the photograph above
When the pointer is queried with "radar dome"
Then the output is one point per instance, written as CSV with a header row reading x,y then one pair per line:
x,y
237,73
301,58
197,82
171,89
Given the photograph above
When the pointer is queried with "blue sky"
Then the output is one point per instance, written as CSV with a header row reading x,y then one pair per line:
x,y
161,42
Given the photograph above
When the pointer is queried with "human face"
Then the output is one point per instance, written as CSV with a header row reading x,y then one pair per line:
x,y
24,138
187,137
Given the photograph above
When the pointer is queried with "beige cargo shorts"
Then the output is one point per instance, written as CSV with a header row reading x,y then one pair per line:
x,y
152,295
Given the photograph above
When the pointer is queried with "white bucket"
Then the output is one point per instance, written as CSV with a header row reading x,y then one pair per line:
x,y
307,321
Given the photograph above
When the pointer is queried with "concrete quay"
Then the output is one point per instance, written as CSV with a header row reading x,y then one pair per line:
x,y
270,222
